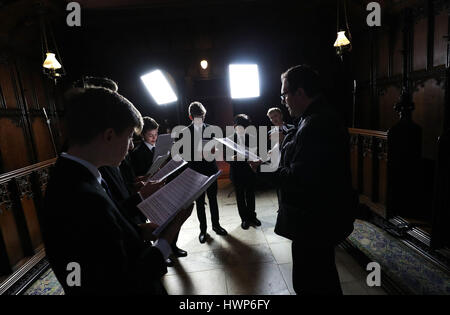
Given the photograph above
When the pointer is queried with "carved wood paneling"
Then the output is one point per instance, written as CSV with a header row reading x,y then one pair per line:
x,y
29,207
382,171
363,107
354,153
40,89
24,186
13,144
9,88
43,176
41,136
388,117
397,52
28,87
383,56
367,143
20,198
429,114
440,43
10,233
420,45
426,55
5,197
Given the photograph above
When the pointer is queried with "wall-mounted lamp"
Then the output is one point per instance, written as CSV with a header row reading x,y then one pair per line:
x,y
52,65
342,43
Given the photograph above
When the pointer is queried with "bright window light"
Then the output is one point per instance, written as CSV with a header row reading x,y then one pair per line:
x,y
159,87
244,80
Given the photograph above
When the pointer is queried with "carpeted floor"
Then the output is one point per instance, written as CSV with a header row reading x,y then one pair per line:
x,y
403,265
47,284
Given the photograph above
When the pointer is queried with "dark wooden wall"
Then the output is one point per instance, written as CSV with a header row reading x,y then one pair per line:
x,y
24,135
378,56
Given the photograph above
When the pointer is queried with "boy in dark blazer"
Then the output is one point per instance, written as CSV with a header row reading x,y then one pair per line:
x,y
142,157
242,176
81,223
197,113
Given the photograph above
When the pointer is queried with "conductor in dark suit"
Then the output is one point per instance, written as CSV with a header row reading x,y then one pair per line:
x,y
142,157
242,176
315,196
197,113
81,224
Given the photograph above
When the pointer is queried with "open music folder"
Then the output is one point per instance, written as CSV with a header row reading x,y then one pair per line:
x,y
171,167
163,146
163,205
157,163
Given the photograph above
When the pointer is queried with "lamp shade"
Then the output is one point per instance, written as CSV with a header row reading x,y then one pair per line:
x,y
51,62
341,40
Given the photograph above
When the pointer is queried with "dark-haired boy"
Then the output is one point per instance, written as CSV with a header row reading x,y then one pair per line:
x,y
82,226
242,176
197,113
142,156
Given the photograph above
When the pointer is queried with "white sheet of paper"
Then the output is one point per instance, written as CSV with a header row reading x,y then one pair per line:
x,y
239,149
168,169
163,145
162,206
157,164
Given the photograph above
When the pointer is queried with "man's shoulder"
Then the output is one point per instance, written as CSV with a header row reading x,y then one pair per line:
x,y
324,117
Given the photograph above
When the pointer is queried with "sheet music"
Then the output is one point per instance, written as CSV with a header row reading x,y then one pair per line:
x,y
162,206
168,169
157,164
163,145
239,149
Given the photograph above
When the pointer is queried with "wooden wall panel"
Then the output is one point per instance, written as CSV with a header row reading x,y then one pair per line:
x,y
354,161
28,88
7,85
383,55
44,146
367,166
440,43
388,116
397,57
420,45
361,53
363,108
10,235
382,184
13,145
29,208
40,88
429,114
367,175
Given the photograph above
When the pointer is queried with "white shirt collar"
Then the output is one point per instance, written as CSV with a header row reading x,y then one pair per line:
x,y
241,138
149,145
86,164
198,127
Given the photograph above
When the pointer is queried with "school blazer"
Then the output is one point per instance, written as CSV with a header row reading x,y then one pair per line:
x,y
81,224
